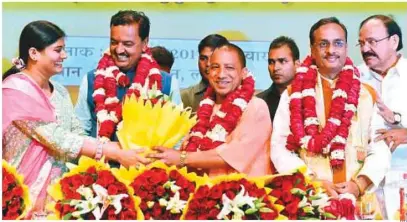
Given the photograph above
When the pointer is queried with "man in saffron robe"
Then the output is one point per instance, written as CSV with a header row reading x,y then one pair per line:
x,y
331,135
225,139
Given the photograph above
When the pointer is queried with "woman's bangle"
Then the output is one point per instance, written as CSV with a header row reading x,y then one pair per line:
x,y
182,158
361,192
99,150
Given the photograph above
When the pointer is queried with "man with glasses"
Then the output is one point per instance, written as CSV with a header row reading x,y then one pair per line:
x,y
323,117
385,69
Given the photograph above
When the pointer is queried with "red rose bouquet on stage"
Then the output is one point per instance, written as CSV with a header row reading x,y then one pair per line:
x,y
15,195
305,200
91,191
163,191
232,197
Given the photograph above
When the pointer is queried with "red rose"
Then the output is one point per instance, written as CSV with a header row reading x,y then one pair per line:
x,y
76,181
335,208
292,208
230,194
18,191
87,180
287,185
215,192
287,196
348,209
174,175
7,195
268,216
276,193
143,206
14,205
160,191
202,192
142,194
112,190
213,213
157,211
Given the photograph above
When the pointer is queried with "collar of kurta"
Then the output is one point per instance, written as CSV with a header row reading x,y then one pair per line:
x,y
200,87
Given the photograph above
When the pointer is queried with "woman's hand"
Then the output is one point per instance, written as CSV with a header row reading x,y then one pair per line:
x,y
166,155
126,157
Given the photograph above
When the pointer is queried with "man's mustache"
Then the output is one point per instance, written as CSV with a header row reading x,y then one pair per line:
x,y
366,54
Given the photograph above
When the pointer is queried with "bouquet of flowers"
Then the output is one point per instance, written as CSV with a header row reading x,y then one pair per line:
x,y
304,199
164,191
232,197
152,122
91,191
15,197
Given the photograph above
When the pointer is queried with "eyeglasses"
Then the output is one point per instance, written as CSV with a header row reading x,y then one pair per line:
x,y
322,45
371,42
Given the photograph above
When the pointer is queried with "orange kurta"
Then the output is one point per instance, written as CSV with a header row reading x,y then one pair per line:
x,y
247,147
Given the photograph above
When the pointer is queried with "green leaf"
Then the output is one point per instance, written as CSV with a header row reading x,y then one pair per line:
x,y
309,209
259,205
265,210
297,181
314,197
251,211
67,216
297,191
328,215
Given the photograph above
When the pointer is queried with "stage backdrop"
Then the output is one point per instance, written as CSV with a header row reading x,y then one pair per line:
x,y
180,26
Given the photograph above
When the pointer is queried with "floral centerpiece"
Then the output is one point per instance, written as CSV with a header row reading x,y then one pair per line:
x,y
232,197
91,191
163,191
15,195
304,199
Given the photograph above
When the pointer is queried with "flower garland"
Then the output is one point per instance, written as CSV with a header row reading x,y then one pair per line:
x,y
304,123
208,134
108,77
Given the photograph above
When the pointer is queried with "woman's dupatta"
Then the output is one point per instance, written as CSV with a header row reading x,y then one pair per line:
x,y
25,106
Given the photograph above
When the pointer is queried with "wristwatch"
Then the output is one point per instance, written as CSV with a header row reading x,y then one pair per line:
x,y
397,118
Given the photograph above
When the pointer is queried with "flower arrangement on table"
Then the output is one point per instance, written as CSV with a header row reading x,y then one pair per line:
x,y
232,197
163,191
304,199
15,195
90,190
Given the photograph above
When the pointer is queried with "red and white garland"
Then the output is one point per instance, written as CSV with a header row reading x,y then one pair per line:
x,y
108,107
304,123
208,134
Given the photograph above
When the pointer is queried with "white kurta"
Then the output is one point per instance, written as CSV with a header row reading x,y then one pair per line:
x,y
392,89
376,163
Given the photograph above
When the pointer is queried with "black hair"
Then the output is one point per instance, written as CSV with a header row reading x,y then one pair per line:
x,y
284,40
212,41
128,17
38,35
326,21
392,27
163,56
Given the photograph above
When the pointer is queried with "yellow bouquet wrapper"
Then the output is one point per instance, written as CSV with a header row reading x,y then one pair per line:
x,y
20,180
146,125
84,163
